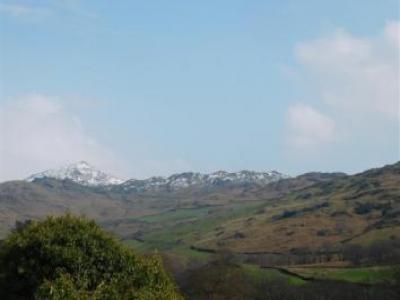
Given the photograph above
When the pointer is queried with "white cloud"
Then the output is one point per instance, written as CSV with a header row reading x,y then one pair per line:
x,y
356,75
356,81
392,32
37,132
308,128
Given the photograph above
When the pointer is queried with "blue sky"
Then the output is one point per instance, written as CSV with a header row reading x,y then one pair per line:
x,y
155,87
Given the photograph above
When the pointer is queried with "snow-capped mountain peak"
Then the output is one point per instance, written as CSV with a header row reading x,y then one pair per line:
x,y
80,172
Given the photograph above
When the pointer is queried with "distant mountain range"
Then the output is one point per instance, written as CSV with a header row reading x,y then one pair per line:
x,y
85,174
245,212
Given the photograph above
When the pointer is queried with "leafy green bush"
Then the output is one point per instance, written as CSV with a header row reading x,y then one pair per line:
x,y
71,257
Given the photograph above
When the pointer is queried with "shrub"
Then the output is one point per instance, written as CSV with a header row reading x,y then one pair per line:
x,y
71,257
364,208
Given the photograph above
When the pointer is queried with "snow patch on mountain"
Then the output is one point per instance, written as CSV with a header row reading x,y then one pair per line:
x,y
83,173
190,179
80,172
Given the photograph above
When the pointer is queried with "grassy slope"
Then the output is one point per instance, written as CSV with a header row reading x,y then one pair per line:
x,y
320,214
180,228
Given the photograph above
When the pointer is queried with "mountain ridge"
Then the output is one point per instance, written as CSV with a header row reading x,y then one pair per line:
x,y
190,179
309,209
85,174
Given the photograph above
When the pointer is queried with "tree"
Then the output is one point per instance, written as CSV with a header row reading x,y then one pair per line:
x,y
70,257
353,253
220,279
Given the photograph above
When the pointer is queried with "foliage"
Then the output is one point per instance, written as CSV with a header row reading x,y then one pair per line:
x,y
70,257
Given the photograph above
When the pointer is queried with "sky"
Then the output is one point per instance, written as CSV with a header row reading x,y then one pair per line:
x,y
143,88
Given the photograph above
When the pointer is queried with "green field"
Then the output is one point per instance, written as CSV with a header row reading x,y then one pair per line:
x,y
178,229
260,273
366,275
176,215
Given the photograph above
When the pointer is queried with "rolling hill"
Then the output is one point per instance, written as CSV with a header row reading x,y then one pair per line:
x,y
282,215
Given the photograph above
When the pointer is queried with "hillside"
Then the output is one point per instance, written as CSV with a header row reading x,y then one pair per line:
x,y
308,211
358,208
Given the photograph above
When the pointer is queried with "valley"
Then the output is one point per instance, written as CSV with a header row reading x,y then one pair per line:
x,y
295,229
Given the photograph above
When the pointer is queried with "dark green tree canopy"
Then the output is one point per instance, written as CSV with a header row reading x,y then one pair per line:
x,y
71,257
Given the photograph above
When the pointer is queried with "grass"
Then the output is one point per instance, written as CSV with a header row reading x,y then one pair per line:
x,y
376,235
181,251
187,225
370,275
259,274
367,275
176,215
178,229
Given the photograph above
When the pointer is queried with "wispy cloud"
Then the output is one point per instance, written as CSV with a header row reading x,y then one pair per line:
x,y
31,11
23,10
353,74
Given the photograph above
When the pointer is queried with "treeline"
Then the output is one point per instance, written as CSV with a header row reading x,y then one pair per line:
x,y
378,252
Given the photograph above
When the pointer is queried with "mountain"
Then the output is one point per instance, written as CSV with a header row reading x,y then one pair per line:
x,y
80,172
190,179
236,211
85,174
